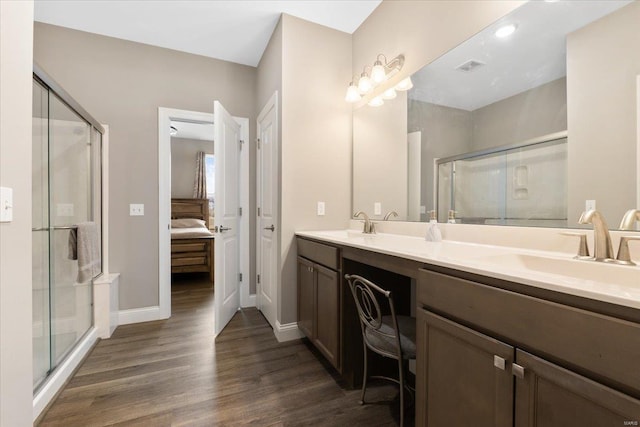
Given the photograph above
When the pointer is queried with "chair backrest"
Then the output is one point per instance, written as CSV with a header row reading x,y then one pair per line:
x,y
364,293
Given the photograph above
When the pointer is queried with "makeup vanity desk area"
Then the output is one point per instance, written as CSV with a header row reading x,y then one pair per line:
x,y
529,347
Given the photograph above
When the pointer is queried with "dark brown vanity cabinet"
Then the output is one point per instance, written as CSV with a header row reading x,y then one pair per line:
x,y
489,356
319,297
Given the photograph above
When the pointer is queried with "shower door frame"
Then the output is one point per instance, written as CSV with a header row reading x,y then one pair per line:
x,y
61,373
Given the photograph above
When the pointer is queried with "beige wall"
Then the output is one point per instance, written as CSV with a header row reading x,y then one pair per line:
x,y
603,64
380,163
183,164
530,114
421,30
122,84
269,81
16,49
316,140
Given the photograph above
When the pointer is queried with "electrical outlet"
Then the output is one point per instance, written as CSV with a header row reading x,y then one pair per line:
x,y
589,205
377,208
136,209
320,208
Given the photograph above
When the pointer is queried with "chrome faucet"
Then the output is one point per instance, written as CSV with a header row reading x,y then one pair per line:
x,y
388,215
629,219
369,226
601,237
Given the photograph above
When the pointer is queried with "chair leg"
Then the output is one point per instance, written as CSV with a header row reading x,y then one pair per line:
x,y
364,375
401,372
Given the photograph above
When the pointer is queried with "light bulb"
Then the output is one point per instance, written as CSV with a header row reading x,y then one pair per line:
x,y
352,93
389,94
505,30
376,102
378,74
404,84
364,84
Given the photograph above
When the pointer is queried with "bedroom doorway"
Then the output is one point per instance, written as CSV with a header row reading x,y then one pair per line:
x,y
192,210
240,256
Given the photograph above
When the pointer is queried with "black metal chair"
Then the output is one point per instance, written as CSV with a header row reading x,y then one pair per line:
x,y
387,335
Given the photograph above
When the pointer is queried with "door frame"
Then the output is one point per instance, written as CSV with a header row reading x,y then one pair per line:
x,y
272,103
165,115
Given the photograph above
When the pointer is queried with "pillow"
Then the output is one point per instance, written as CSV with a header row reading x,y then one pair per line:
x,y
188,223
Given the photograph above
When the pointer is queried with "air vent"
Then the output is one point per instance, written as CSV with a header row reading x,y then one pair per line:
x,y
470,65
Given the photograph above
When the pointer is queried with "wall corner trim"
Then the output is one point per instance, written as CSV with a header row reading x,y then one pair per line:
x,y
287,332
139,315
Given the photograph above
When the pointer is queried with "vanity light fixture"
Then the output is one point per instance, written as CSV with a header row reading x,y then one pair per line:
x,y
389,94
404,84
375,102
353,94
506,30
381,71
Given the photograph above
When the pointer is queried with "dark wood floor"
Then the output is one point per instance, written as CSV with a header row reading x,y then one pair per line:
x,y
172,373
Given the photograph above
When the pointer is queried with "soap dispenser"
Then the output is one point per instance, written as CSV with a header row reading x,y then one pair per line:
x,y
433,231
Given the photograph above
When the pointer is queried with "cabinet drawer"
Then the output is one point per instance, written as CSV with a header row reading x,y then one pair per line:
x,y
188,247
320,253
604,347
190,259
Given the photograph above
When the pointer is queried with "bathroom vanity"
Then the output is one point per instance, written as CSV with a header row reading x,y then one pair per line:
x,y
501,340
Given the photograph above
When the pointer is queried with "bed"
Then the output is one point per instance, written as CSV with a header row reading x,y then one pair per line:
x,y
191,240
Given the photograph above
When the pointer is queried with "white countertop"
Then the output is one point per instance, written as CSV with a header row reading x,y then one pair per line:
x,y
555,271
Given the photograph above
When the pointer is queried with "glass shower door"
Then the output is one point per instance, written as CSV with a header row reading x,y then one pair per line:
x,y
40,235
63,197
70,195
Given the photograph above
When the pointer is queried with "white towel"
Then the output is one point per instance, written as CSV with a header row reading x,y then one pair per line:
x,y
88,250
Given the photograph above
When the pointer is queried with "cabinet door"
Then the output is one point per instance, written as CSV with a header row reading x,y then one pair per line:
x,y
306,296
548,395
463,377
327,311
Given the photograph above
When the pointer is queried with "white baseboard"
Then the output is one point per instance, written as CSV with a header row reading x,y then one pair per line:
x,y
250,301
62,373
139,315
287,332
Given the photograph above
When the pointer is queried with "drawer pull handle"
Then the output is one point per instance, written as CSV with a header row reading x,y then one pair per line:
x,y
498,362
517,371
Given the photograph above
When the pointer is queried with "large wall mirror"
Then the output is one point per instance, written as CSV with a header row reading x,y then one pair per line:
x,y
525,129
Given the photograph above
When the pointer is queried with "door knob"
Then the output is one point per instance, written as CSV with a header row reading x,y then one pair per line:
x,y
272,228
222,229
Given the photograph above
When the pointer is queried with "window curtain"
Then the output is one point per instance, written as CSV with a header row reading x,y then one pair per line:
x,y
200,186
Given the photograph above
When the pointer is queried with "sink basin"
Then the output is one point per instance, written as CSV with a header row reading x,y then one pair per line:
x,y
344,234
580,269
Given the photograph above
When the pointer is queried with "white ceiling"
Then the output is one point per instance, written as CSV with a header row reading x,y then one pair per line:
x,y
235,31
533,55
187,130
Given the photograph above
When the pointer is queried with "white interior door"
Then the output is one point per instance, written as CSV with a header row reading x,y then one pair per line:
x,y
267,204
226,287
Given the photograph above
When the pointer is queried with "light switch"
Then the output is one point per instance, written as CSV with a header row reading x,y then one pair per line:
x,y
320,208
377,208
136,209
6,204
423,209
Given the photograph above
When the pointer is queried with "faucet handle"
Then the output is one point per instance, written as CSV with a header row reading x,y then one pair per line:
x,y
583,248
624,257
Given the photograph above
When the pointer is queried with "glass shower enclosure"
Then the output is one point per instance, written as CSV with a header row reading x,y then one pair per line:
x,y
66,192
